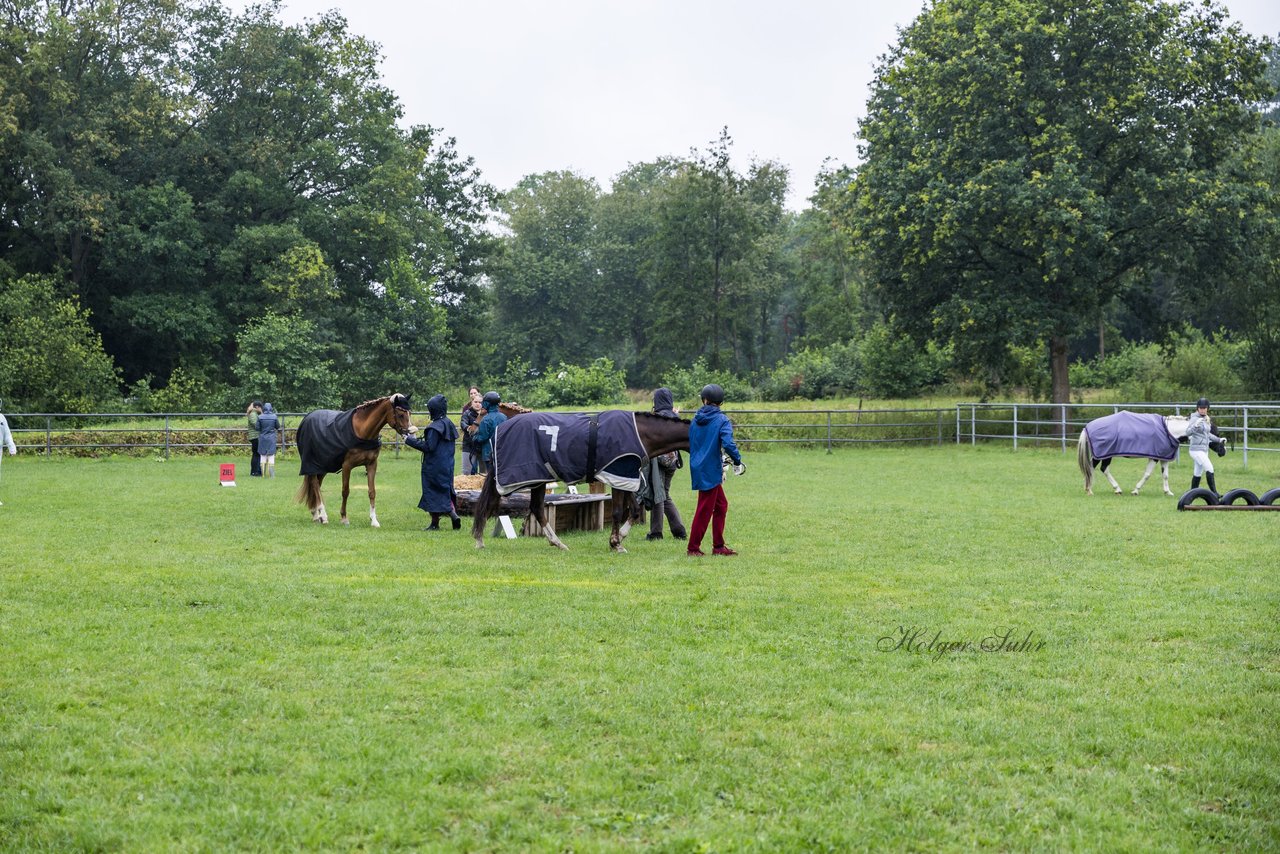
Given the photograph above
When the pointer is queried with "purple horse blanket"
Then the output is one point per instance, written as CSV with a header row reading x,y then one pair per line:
x,y
324,437
540,447
1131,434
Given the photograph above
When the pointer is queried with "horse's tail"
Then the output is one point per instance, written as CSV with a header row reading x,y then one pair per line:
x,y
1085,459
487,503
309,492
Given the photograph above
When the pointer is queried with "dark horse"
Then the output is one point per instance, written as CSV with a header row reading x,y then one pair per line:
x,y
330,441
658,434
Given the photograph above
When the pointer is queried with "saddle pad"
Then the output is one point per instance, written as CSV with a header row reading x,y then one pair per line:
x,y
1131,434
324,437
541,447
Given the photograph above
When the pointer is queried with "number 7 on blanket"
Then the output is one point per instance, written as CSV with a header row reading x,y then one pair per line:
x,y
551,430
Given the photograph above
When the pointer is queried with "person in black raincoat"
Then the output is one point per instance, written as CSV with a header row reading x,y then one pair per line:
x,y
660,471
437,444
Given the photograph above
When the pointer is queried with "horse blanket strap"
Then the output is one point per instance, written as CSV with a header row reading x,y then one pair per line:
x,y
592,438
541,447
1131,434
324,437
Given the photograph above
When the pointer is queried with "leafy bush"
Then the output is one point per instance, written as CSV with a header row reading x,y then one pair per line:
x,y
184,393
280,360
597,384
686,383
814,374
51,359
894,366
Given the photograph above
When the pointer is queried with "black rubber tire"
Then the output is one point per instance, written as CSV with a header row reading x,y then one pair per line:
x,y
1231,496
1210,499
1270,497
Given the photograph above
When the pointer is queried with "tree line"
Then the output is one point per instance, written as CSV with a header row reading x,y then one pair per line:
x,y
198,206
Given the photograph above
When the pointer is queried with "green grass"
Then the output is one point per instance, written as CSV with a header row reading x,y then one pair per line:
x,y
184,667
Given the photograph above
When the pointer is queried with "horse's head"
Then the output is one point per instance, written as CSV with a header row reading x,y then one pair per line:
x,y
661,434
398,417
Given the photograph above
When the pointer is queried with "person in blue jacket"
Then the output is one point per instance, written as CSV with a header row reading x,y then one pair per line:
x,y
437,444
709,435
483,436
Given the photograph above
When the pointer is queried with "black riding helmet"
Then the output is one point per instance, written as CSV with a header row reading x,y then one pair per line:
x,y
491,399
1202,403
713,394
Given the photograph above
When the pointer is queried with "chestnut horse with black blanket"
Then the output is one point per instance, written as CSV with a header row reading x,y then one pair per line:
x,y
537,448
330,441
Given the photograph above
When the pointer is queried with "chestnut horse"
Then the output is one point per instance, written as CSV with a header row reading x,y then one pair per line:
x,y
659,434
329,441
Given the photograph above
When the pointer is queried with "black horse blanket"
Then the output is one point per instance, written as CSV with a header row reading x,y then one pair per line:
x,y
324,437
1131,434
541,447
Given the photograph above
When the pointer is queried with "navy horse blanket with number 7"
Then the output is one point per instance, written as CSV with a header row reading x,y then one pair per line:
x,y
324,437
541,447
1131,434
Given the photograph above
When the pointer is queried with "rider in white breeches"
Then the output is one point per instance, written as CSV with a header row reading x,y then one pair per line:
x,y
1199,435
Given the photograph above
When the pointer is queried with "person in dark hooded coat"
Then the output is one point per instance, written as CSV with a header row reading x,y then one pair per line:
x,y
437,444
661,469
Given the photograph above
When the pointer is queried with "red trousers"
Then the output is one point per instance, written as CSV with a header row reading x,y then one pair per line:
x,y
711,510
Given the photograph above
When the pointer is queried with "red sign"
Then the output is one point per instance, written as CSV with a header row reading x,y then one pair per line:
x,y
227,474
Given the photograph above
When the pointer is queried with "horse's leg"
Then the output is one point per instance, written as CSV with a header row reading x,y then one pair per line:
x,y
1164,476
623,509
346,490
1151,466
371,469
537,510
318,512
1106,464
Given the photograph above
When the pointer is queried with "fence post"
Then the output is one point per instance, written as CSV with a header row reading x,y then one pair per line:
x,y
1064,428
939,417
828,431
1246,437
166,436
48,435
973,425
1015,426
957,424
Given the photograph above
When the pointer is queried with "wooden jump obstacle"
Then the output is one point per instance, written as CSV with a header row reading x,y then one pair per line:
x,y
564,513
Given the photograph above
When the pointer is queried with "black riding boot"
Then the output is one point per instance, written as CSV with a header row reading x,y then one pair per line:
x,y
1195,481
1213,487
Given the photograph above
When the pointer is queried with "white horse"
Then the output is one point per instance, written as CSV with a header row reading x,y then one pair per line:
x,y
1177,427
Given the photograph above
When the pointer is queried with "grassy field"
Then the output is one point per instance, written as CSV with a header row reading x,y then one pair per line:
x,y
189,668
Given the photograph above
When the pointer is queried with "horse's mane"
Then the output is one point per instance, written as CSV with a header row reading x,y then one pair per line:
x,y
663,417
377,400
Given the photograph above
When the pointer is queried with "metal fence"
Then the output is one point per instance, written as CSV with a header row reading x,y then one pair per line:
x,y
1247,426
1251,427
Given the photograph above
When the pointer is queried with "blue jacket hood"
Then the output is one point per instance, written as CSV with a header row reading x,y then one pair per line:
x,y
705,414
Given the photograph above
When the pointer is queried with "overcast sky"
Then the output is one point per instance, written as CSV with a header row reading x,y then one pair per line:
x,y
531,86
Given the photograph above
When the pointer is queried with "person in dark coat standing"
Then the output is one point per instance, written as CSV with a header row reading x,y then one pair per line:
x,y
268,440
437,445
251,418
664,467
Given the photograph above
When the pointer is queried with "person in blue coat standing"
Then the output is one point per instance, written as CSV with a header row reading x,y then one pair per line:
x,y
437,444
709,436
488,426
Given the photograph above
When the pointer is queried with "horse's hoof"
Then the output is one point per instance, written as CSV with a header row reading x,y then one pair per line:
x,y
479,544
346,522
1135,492
374,525
620,550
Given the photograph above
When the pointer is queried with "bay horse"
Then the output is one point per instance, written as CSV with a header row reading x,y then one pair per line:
x,y
658,434
330,441
1148,438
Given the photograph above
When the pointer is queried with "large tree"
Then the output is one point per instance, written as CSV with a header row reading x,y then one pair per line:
x,y
1027,161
